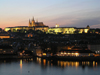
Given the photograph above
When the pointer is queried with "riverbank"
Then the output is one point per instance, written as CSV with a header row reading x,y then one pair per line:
x,y
90,58
14,56
64,58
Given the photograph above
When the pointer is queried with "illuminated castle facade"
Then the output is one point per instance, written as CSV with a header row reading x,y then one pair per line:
x,y
32,25
67,30
53,30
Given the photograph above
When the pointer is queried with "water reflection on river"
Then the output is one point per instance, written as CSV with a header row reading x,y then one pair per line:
x,y
39,66
64,64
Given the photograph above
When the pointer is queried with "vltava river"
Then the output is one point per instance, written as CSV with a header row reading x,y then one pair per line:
x,y
38,66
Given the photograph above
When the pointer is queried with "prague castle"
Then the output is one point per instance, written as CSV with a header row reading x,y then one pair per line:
x,y
53,30
67,30
32,25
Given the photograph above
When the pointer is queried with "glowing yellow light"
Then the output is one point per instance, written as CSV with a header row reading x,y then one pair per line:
x,y
96,63
61,52
20,53
44,61
7,29
85,30
72,63
83,63
44,54
69,48
77,54
62,63
4,37
65,64
68,53
65,53
68,64
93,63
88,63
76,64
21,63
57,25
39,60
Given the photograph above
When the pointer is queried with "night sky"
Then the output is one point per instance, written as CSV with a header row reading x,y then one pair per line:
x,y
66,13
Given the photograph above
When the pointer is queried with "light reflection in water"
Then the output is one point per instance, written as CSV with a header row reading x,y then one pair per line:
x,y
93,63
48,63
51,64
50,67
77,64
44,62
21,64
64,64
39,60
88,63
96,63
4,61
85,63
31,59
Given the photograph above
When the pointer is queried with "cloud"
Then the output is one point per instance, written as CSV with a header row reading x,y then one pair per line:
x,y
95,26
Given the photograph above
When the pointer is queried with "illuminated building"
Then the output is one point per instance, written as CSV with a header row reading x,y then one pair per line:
x,y
4,35
67,30
53,30
6,49
75,52
29,35
32,25
63,30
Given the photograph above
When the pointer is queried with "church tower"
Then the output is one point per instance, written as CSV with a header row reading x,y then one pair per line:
x,y
33,22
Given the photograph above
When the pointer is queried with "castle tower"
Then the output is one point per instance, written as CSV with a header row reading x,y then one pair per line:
x,y
33,22
88,27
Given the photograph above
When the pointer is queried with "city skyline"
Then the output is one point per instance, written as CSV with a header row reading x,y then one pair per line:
x,y
66,13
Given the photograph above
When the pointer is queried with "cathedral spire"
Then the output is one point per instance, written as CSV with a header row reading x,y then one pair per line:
x,y
33,19
29,20
33,22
